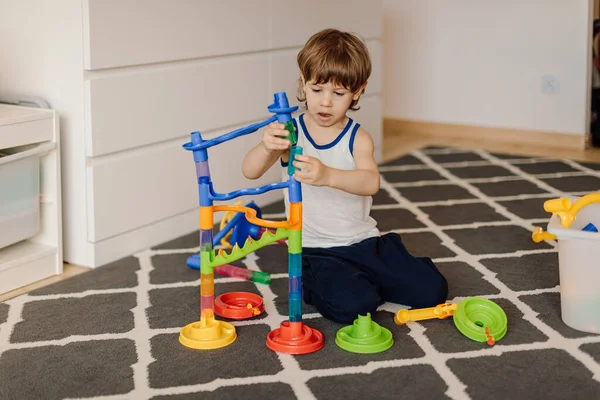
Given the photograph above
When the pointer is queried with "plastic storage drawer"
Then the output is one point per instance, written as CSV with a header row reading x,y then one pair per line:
x,y
19,197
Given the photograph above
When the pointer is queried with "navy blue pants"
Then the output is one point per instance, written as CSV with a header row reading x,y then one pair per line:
x,y
343,282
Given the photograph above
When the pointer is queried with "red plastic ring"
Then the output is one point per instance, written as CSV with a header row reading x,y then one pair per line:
x,y
239,305
295,338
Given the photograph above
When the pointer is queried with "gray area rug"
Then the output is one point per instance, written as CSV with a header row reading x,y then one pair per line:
x,y
112,333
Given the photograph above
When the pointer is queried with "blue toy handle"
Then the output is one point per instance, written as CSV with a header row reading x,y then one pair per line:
x,y
283,113
228,136
282,108
247,192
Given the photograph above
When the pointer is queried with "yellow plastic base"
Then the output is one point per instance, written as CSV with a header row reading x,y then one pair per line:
x,y
207,334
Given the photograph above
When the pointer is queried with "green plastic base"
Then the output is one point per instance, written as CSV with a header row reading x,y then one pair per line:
x,y
481,320
364,336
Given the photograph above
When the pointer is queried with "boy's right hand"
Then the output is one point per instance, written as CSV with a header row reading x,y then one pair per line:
x,y
273,137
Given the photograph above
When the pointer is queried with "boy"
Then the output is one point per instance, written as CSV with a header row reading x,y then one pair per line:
x,y
348,267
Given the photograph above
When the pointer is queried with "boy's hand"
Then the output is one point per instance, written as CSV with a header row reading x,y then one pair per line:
x,y
314,172
273,137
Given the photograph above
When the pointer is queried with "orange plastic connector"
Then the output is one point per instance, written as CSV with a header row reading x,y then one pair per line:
x,y
207,284
206,218
490,338
253,219
296,216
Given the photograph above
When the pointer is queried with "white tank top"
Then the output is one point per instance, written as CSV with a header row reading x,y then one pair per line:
x,y
332,217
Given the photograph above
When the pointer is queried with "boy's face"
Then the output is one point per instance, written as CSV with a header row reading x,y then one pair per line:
x,y
327,103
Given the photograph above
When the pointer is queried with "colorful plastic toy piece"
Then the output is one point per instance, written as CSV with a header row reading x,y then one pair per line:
x,y
239,305
567,213
590,228
244,273
364,336
539,235
477,318
233,271
481,320
440,311
294,151
293,336
566,210
289,126
239,229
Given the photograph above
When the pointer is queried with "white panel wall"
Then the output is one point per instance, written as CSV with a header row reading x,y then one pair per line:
x,y
135,189
294,22
375,82
131,32
131,110
482,62
369,117
285,74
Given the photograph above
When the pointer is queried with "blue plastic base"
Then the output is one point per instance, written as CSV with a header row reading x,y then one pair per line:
x,y
193,261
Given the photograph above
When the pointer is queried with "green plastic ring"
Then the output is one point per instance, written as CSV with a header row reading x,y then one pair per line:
x,y
475,314
364,336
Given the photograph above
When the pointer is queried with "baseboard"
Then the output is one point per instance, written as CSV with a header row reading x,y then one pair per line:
x,y
504,135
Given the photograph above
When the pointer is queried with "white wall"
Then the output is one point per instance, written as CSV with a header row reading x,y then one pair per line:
x,y
481,62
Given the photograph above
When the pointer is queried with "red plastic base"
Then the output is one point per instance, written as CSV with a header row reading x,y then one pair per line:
x,y
239,305
295,338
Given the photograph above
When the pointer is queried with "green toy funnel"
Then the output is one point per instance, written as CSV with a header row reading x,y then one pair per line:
x,y
481,320
364,336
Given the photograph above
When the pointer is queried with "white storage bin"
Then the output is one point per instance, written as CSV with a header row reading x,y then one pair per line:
x,y
579,265
19,196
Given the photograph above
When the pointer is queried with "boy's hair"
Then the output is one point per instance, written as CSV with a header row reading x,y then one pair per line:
x,y
337,57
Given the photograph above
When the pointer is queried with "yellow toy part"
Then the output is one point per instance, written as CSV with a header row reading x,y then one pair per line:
x,y
440,311
208,333
567,210
539,235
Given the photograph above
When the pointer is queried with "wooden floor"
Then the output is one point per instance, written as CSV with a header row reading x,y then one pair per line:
x,y
394,145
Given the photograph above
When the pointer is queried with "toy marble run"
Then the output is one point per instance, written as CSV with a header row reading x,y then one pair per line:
x,y
237,227
293,336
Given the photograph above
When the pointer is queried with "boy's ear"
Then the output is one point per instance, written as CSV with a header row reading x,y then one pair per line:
x,y
360,91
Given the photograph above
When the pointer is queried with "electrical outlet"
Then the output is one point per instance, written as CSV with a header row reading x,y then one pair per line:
x,y
550,84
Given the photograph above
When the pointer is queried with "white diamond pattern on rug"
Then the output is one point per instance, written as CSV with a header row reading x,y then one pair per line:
x,y
112,333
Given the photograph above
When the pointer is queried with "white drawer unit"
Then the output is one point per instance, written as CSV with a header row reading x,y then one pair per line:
x,y
30,196
132,79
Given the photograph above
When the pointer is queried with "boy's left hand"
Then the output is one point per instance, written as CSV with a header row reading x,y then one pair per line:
x,y
311,171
